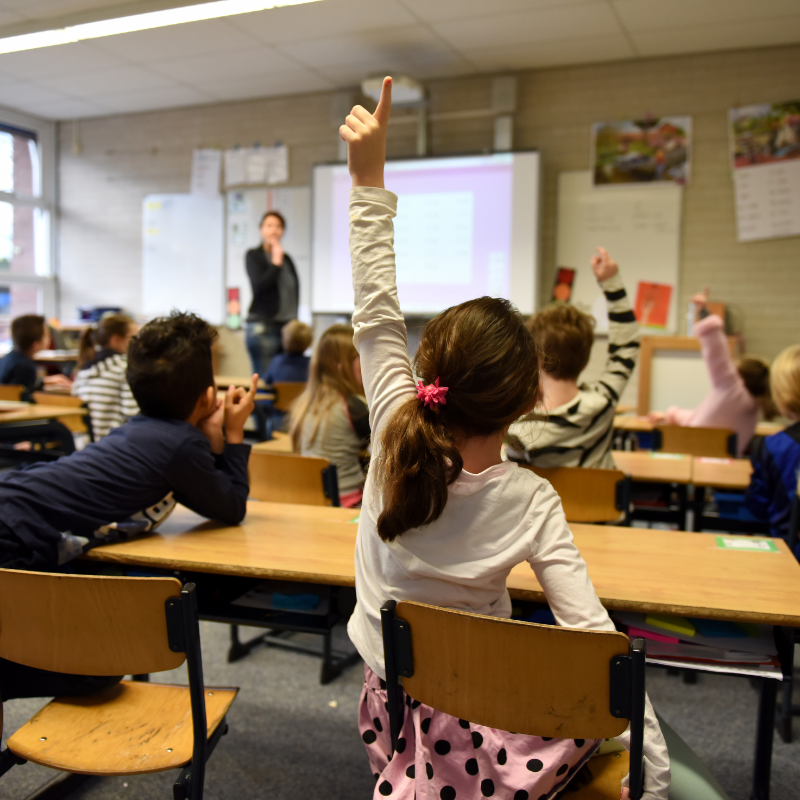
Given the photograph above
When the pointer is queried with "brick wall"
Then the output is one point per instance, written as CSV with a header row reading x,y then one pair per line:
x,y
123,158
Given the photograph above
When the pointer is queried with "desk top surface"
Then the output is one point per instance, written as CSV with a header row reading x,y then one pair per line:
x,y
631,422
56,356
32,411
224,381
632,569
723,473
279,443
643,465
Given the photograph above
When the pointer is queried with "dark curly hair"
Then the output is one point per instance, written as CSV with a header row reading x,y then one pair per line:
x,y
169,365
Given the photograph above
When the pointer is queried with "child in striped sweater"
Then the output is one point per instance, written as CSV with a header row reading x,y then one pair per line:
x,y
573,425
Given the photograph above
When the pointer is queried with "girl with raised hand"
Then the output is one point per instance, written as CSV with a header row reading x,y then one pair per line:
x,y
444,519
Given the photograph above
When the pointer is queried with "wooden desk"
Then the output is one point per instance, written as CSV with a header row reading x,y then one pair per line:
x,y
636,424
315,544
280,443
643,465
769,428
12,405
56,356
32,411
224,381
722,473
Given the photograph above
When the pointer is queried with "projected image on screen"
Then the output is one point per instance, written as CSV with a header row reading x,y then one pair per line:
x,y
465,227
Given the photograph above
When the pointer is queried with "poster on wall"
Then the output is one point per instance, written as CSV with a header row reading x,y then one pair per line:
x,y
765,157
642,151
256,166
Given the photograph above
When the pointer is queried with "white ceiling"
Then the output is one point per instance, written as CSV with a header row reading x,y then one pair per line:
x,y
335,43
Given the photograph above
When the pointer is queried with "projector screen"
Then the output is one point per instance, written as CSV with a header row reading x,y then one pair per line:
x,y
466,226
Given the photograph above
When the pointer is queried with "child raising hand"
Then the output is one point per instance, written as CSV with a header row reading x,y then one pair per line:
x,y
444,519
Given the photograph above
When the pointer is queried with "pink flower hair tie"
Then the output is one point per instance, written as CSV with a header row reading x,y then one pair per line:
x,y
432,395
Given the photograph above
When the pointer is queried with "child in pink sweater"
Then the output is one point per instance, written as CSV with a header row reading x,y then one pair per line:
x,y
738,391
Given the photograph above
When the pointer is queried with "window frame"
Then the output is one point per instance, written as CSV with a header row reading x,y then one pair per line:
x,y
46,145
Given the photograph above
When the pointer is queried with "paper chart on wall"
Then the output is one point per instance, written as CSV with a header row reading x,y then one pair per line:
x,y
256,166
206,171
765,155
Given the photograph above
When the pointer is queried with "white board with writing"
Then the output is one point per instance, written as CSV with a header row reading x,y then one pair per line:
x,y
639,226
182,255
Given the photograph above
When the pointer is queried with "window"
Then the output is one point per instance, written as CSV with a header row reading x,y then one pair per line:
x,y
27,282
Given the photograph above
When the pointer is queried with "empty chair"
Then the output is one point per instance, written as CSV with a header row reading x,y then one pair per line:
x,y
75,424
286,393
590,495
539,680
10,391
292,478
127,626
701,442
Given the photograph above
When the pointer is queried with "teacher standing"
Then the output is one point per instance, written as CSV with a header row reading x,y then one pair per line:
x,y
275,293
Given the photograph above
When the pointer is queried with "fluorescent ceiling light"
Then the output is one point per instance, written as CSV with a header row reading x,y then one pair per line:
x,y
139,22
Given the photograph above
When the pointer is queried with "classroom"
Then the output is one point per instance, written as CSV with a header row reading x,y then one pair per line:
x,y
379,377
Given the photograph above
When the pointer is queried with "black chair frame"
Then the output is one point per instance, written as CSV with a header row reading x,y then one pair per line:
x,y
626,684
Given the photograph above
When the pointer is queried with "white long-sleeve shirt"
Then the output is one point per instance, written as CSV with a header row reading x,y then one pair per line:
x,y
492,520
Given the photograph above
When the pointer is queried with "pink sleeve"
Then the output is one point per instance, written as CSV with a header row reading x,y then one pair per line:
x,y
678,416
716,353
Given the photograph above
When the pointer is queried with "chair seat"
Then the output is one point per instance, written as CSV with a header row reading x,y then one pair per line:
x,y
132,728
607,774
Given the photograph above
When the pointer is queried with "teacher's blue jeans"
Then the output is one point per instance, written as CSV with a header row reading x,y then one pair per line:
x,y
263,341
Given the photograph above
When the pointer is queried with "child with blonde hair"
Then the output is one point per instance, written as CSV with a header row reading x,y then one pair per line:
x,y
776,459
330,419
444,519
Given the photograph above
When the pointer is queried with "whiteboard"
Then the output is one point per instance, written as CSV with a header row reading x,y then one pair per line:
x,y
245,209
678,378
182,261
638,225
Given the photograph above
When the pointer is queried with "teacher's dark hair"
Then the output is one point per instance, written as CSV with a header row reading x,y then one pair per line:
x,y
277,215
484,354
169,365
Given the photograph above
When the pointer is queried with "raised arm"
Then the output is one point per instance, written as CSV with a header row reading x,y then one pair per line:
x,y
623,330
380,331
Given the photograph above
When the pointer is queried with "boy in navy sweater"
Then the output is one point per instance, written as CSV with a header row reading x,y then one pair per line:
x,y
186,447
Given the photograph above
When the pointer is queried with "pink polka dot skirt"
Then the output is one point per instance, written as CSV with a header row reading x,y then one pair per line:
x,y
439,757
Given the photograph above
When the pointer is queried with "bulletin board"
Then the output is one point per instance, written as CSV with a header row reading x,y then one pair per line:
x,y
640,227
244,209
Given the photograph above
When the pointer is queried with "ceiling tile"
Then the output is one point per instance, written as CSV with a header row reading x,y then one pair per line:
x,y
261,60
651,15
438,10
376,48
27,96
176,41
73,109
122,79
586,50
721,36
296,82
153,99
531,26
317,20
65,58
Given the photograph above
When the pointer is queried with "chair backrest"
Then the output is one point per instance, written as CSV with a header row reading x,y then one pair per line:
x,y
86,625
701,442
75,424
589,495
292,478
286,393
10,391
541,680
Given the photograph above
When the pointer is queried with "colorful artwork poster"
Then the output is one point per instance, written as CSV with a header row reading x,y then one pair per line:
x,y
765,134
645,151
652,304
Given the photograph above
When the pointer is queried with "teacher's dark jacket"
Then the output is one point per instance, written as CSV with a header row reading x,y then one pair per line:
x,y
264,278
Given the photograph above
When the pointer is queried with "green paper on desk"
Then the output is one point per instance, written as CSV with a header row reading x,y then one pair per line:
x,y
746,543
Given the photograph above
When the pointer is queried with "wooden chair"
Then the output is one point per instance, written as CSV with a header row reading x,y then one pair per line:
x,y
10,391
75,424
292,478
286,393
703,442
590,495
84,625
540,680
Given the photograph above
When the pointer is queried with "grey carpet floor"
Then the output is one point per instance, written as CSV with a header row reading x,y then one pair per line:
x,y
292,739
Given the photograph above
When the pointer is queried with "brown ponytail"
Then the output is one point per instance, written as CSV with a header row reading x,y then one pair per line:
x,y
100,335
488,360
755,374
86,349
